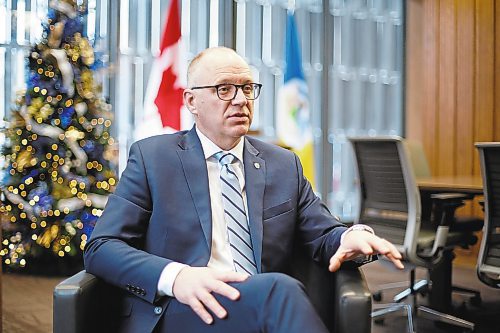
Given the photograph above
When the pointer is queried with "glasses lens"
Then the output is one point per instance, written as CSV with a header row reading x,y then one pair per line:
x,y
256,90
248,91
226,92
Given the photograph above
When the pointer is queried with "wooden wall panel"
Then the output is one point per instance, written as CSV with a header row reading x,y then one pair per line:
x,y
485,73
446,115
496,115
453,89
414,67
453,53
464,156
429,23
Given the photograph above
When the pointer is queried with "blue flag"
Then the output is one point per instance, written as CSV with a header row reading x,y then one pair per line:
x,y
293,123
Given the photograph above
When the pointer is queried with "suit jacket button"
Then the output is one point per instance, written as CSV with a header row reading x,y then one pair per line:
x,y
158,310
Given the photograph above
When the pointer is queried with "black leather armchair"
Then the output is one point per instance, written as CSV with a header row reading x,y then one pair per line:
x,y
84,303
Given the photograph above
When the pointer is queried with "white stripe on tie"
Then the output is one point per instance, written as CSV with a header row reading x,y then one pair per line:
x,y
235,216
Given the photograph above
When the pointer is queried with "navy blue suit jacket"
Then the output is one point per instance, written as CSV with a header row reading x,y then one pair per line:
x,y
160,212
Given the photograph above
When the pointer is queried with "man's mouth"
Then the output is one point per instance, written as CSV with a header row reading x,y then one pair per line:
x,y
239,115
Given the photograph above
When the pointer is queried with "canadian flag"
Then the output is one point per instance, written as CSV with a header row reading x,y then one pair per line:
x,y
163,106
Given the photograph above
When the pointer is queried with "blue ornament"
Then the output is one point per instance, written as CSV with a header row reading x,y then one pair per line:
x,y
89,146
33,80
70,217
33,173
66,116
72,26
87,217
45,200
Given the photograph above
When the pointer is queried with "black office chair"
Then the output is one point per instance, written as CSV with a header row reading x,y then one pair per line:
x,y
488,262
390,204
84,303
463,223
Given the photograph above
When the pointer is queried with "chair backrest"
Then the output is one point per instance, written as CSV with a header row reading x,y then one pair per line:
x,y
389,196
418,159
488,263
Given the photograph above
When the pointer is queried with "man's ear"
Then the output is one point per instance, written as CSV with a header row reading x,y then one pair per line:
x,y
189,101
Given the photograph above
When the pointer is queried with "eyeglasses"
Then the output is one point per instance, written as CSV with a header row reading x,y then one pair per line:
x,y
228,91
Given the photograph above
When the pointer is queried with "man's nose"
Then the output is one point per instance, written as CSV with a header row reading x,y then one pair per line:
x,y
240,98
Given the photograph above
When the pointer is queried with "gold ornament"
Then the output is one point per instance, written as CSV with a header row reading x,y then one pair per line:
x,y
35,106
74,134
46,111
86,88
61,191
24,159
86,51
48,236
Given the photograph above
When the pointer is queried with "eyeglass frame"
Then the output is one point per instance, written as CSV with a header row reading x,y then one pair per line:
x,y
237,86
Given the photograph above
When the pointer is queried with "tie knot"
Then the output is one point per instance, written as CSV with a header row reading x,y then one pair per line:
x,y
225,158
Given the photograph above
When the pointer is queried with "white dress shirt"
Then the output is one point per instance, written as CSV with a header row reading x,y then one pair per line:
x,y
220,256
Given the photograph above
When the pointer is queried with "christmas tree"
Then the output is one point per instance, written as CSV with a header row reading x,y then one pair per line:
x,y
57,170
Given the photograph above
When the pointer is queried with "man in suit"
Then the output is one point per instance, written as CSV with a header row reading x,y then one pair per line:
x,y
202,223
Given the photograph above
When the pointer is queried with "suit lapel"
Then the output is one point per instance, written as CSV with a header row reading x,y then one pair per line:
x,y
195,170
255,181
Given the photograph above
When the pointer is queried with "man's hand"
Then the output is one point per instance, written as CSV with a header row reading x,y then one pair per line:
x,y
360,242
193,286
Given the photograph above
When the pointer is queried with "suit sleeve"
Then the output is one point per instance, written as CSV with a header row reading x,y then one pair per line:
x,y
319,230
113,251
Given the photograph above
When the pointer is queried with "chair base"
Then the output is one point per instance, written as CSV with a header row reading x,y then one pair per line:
x,y
382,310
417,287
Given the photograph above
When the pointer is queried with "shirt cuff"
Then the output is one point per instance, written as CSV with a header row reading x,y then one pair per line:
x,y
167,278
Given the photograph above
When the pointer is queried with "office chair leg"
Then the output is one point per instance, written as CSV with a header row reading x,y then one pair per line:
x,y
420,286
445,318
384,309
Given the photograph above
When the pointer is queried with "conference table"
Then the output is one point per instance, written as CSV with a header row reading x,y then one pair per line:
x,y
441,276
469,185
454,184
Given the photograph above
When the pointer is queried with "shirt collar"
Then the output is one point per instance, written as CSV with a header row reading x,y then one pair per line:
x,y
210,148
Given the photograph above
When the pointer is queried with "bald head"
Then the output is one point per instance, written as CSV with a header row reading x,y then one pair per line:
x,y
208,58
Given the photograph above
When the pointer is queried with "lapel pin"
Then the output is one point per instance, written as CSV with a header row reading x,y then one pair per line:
x,y
256,165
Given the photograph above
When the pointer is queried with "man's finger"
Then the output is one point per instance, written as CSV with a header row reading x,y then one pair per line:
x,y
396,261
224,289
395,252
337,259
200,310
212,304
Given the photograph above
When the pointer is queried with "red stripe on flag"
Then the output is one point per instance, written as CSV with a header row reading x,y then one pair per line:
x,y
169,100
172,32
169,96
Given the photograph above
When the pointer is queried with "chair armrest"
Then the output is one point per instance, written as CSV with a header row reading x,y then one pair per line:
x,y
353,301
83,303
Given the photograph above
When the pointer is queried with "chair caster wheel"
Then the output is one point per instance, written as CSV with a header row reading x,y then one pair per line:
x,y
377,296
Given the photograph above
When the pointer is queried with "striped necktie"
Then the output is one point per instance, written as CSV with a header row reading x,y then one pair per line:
x,y
235,216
